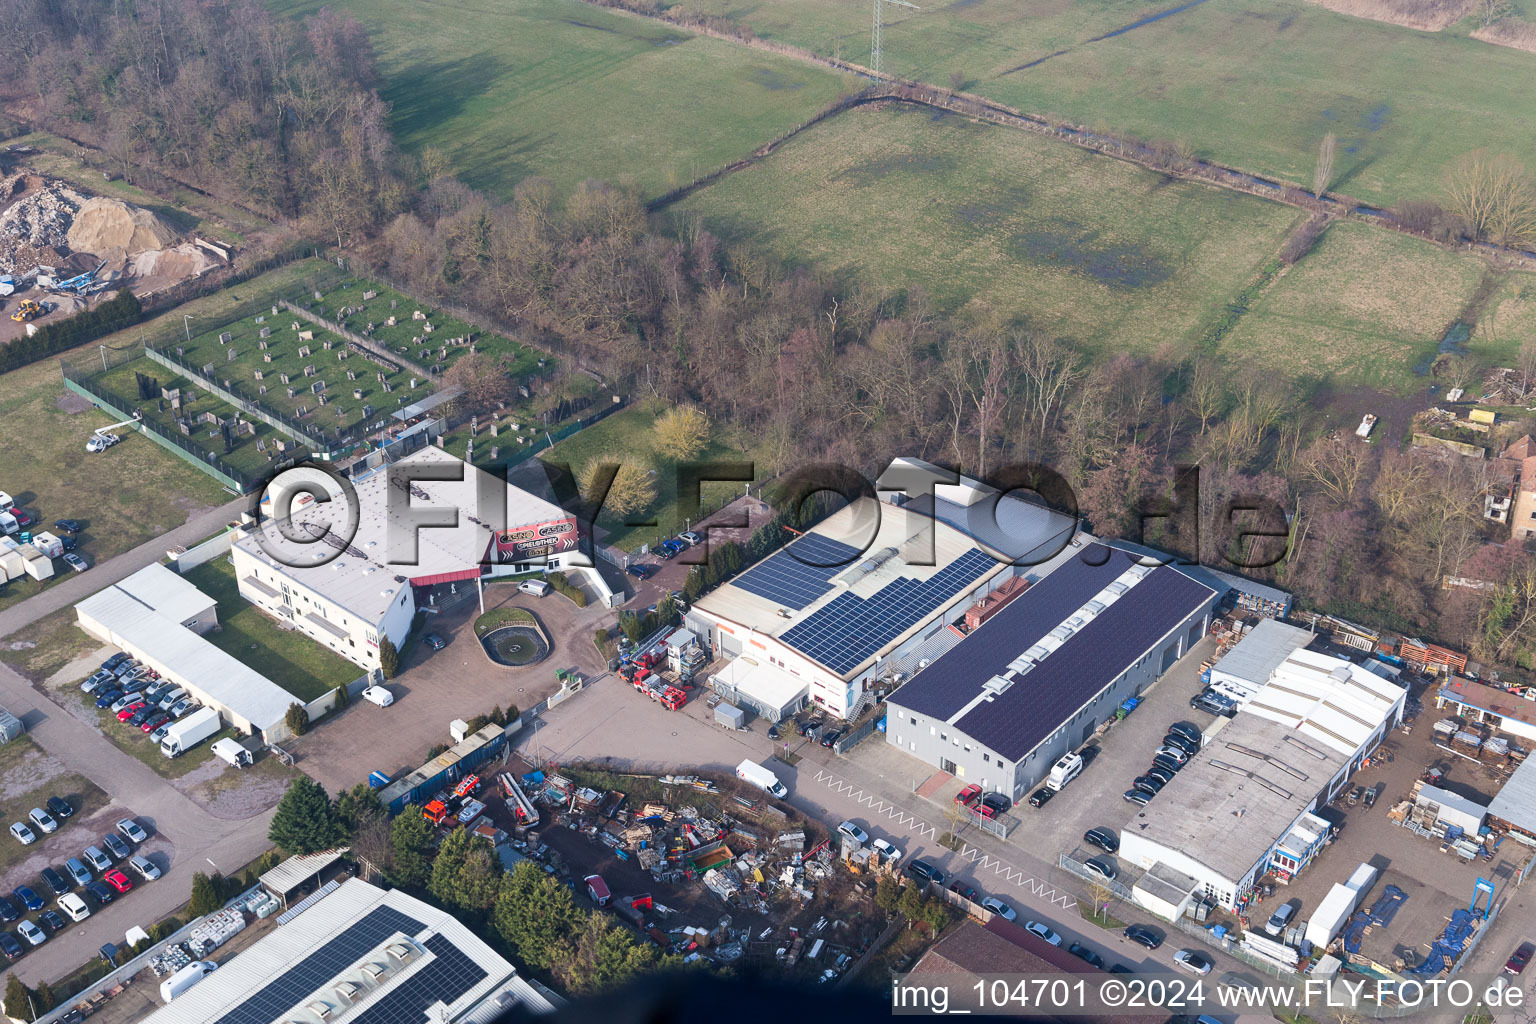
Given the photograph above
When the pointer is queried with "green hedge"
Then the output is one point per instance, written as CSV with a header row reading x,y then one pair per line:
x,y
120,311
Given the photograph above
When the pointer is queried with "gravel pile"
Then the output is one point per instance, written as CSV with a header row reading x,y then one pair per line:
x,y
35,228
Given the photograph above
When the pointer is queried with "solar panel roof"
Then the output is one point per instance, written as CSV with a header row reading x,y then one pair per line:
x,y
851,628
283,992
1014,722
798,575
450,974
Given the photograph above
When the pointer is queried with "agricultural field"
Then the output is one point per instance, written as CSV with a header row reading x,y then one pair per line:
x,y
1103,252
1365,307
1506,320
1251,83
567,91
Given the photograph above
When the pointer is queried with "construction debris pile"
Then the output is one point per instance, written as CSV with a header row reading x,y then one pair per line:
x,y
34,230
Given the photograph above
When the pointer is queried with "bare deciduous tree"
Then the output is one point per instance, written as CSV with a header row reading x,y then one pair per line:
x,y
1494,195
1489,12
1336,466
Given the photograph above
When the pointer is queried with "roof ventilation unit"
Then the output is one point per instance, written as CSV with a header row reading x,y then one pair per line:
x,y
997,685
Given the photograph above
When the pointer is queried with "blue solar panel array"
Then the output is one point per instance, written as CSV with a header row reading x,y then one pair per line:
x,y
785,577
450,974
850,629
319,967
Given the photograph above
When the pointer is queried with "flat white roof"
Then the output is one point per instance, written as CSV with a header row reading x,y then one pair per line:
x,y
164,590
767,684
274,979
363,578
160,640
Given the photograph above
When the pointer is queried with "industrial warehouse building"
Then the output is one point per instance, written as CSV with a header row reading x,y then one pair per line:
x,y
370,589
1094,626
159,618
864,597
1245,804
365,956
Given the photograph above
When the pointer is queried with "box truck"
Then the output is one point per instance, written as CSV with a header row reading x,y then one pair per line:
x,y
762,778
230,751
189,732
185,978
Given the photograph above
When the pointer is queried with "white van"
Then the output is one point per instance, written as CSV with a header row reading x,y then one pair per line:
x,y
1064,771
185,978
74,906
538,588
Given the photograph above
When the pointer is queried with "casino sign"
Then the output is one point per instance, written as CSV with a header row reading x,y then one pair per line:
x,y
536,541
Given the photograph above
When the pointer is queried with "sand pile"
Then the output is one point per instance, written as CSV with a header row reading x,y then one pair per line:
x,y
104,226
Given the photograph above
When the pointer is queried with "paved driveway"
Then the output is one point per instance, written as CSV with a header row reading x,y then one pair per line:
x,y
188,838
435,687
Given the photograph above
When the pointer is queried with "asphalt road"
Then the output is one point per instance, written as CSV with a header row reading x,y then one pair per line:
x,y
197,837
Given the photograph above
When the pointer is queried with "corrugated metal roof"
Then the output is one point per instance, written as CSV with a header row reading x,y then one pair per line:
x,y
1258,654
1016,720
296,870
1515,802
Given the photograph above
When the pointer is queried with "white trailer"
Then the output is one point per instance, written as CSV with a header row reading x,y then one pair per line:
x,y
189,732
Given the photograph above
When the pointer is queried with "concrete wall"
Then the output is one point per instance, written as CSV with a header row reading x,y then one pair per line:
x,y
205,552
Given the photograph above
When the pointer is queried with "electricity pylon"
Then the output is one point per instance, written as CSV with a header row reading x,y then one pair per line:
x,y
874,40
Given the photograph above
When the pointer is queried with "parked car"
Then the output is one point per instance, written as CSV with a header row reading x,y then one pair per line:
x,y
125,667
170,700
1082,952
1178,742
125,700
54,881
379,695
1517,961
116,847
1103,867
43,820
75,562
68,543
830,737
74,907
1187,730
141,715
77,870
155,721
1192,960
853,832
117,880
1162,774
131,830
27,898
691,537
1040,797
641,572
160,733
889,853
9,946
24,518
998,802
8,911
1142,935
102,892
182,706
1148,784
999,908
22,834
51,918
68,525
1103,838
1212,705
1172,753
106,699
96,858
127,711
1039,930
117,659
97,678
1140,797
144,866
34,935
1167,763
969,795
59,808
1279,919
808,729
434,641
925,872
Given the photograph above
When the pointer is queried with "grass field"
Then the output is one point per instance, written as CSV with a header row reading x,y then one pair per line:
x,y
1507,320
1252,83
1103,252
287,657
41,648
629,433
568,91
1364,307
126,495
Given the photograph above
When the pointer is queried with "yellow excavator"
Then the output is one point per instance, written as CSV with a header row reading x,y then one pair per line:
x,y
28,310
